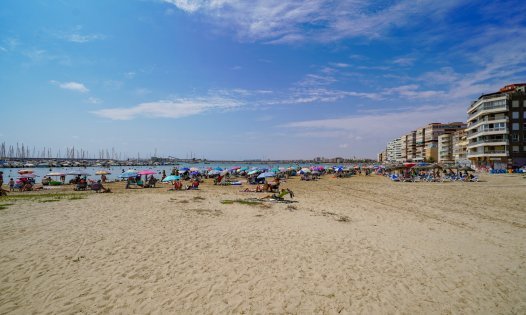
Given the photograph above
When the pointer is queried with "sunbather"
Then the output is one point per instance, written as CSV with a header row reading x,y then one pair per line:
x,y
194,185
178,185
280,196
98,187
259,188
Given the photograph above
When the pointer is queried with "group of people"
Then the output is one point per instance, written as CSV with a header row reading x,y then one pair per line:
x,y
178,185
266,187
24,184
148,183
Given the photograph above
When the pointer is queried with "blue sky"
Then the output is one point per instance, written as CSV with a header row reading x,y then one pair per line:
x,y
227,79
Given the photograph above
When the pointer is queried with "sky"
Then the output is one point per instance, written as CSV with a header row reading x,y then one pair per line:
x,y
260,79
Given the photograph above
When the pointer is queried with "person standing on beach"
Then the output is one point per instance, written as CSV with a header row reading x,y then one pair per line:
x,y
1,179
11,185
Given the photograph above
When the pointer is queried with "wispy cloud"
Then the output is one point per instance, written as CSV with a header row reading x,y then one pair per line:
x,y
277,21
93,100
169,108
82,38
78,36
315,80
72,86
377,128
320,95
411,91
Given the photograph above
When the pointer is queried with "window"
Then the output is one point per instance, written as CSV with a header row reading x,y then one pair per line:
x,y
514,137
515,104
515,148
515,115
515,126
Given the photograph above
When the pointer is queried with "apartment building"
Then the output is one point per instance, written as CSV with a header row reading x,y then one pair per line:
x,y
445,148
408,146
394,150
460,147
497,128
427,139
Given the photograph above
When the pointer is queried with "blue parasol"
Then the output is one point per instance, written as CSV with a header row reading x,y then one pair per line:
x,y
171,178
266,174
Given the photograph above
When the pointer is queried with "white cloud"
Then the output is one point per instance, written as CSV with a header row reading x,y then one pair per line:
x,y
311,95
411,91
72,86
130,74
404,61
93,100
169,108
80,38
278,21
189,6
315,79
377,128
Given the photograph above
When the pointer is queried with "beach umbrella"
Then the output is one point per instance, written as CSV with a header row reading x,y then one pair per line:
x,y
25,171
214,172
223,173
171,178
194,169
56,174
81,173
128,174
147,172
102,172
305,170
253,172
218,169
266,174
184,169
31,175
409,164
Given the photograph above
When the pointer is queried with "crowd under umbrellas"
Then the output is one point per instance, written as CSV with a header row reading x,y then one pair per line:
x,y
256,175
429,172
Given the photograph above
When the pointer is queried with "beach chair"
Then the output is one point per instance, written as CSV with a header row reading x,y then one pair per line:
x,y
96,187
81,186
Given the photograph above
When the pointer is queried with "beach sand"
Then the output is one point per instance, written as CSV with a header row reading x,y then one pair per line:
x,y
353,245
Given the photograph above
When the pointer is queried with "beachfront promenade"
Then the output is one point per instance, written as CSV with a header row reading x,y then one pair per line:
x,y
362,244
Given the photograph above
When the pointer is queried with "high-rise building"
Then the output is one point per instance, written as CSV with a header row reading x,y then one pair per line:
x,y
394,150
427,139
408,146
460,147
497,128
445,148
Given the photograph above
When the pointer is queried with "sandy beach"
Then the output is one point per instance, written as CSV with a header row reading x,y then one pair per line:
x,y
361,245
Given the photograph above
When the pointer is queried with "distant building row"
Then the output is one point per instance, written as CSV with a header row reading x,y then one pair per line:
x,y
493,137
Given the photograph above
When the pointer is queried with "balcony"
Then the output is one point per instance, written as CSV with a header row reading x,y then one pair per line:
x,y
479,122
488,131
490,99
496,153
485,110
484,142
